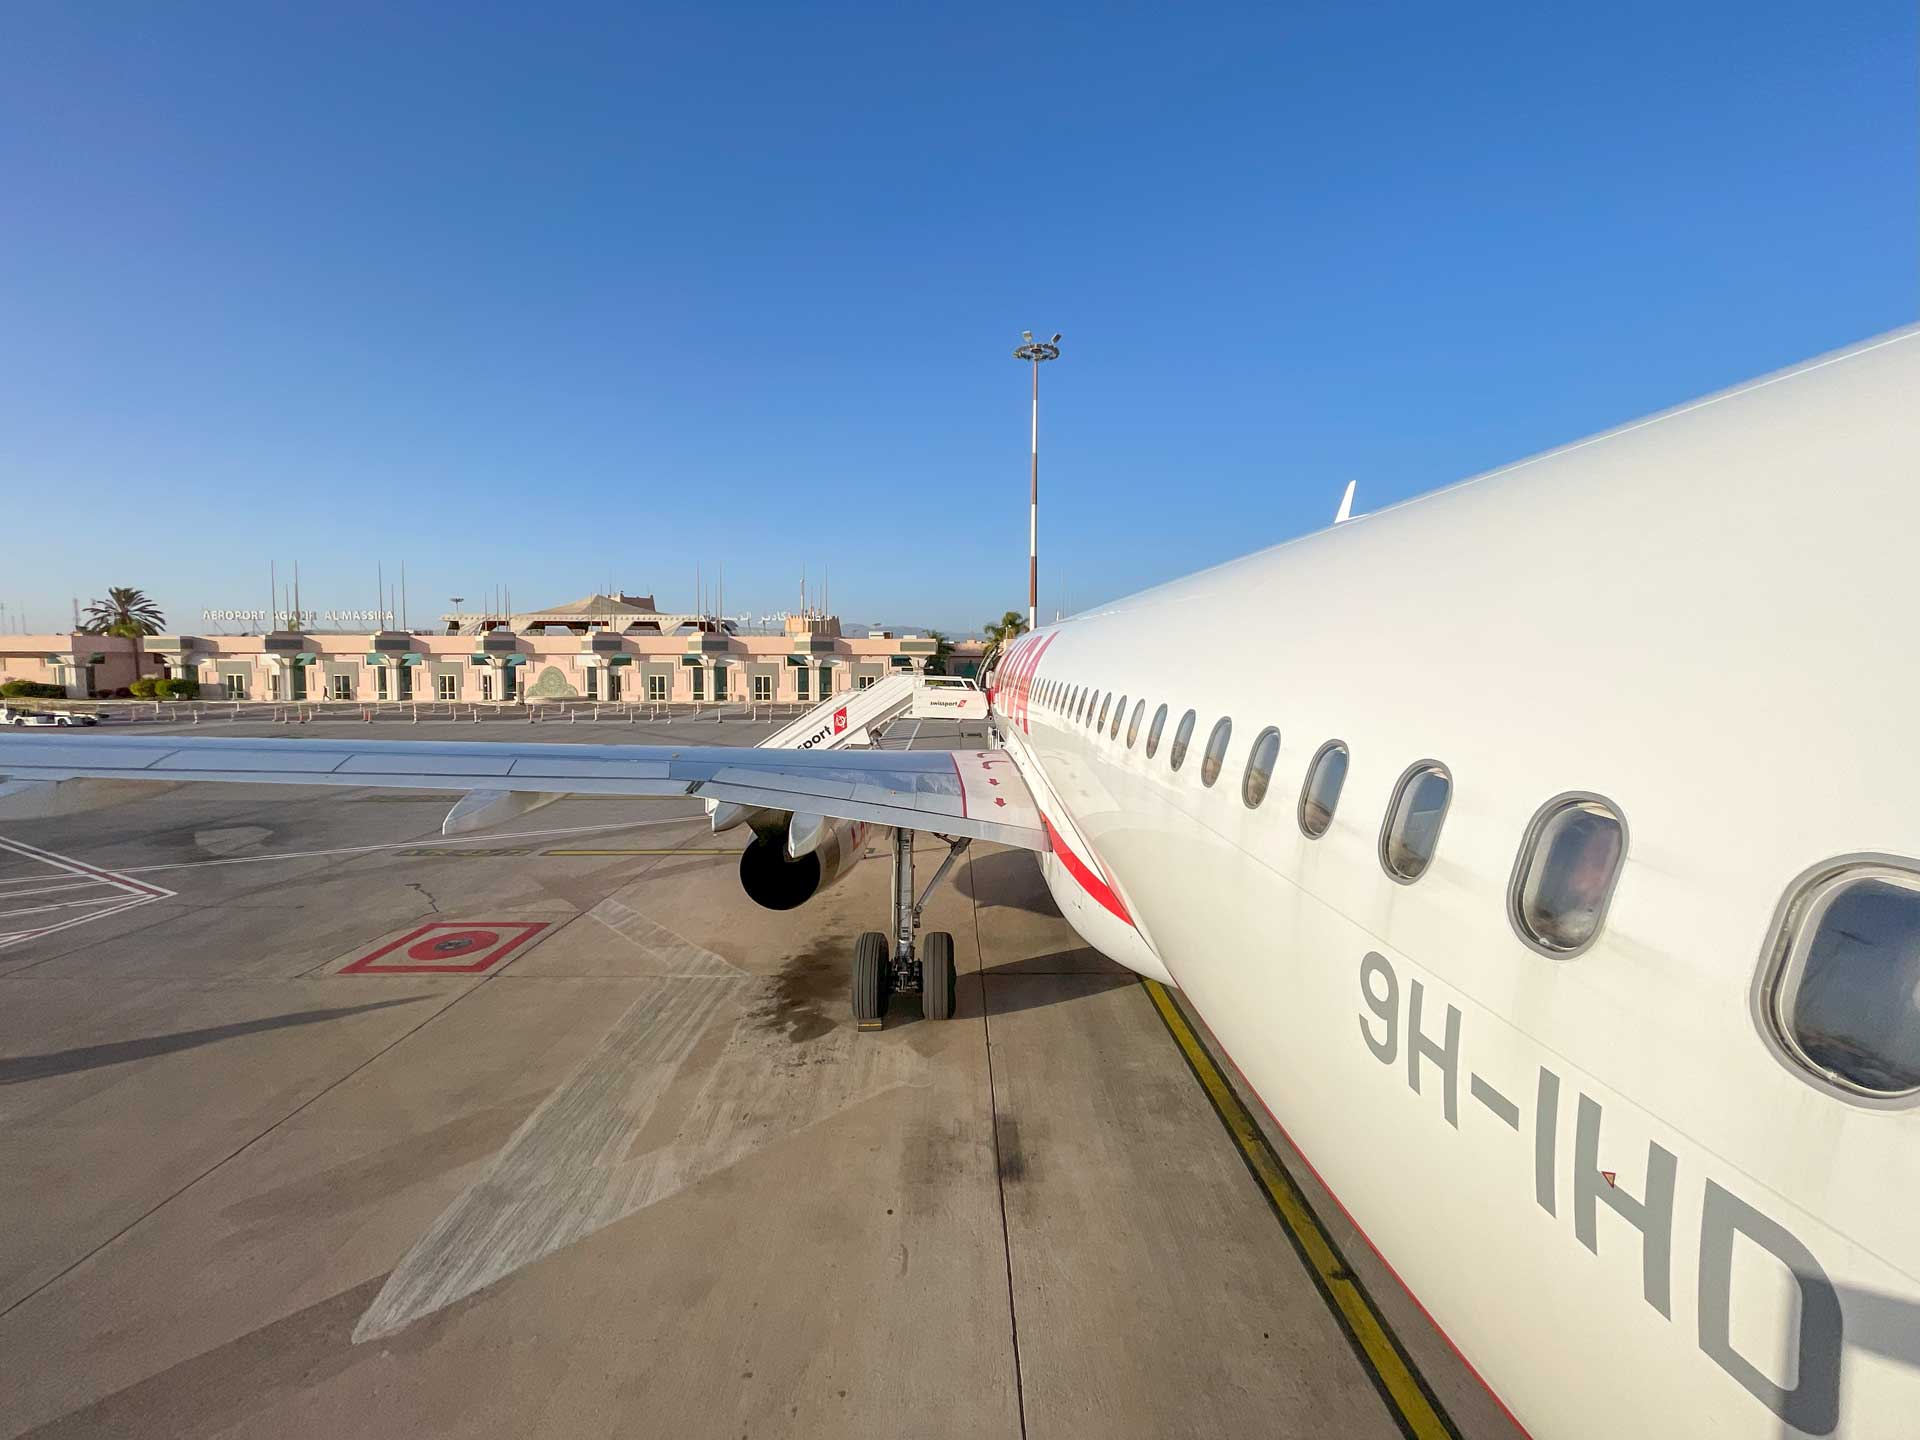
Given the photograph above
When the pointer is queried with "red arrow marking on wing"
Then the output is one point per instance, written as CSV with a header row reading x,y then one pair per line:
x,y
1607,1175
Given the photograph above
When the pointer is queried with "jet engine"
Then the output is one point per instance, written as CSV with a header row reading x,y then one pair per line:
x,y
795,857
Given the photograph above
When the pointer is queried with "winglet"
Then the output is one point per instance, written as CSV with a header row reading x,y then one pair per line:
x,y
1345,513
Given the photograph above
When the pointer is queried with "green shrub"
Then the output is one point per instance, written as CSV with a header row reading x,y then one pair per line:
x,y
183,688
145,688
32,690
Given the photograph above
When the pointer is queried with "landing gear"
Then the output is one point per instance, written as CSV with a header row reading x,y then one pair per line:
x,y
936,976
885,964
872,979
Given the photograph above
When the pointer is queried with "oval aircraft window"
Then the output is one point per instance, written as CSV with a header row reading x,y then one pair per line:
x,y
1843,994
1119,713
1101,719
1182,736
1133,725
1260,762
1565,875
1079,705
1216,751
1320,796
1153,730
1412,831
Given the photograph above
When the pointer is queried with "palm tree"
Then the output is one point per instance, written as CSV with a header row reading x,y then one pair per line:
x,y
1011,624
127,612
942,652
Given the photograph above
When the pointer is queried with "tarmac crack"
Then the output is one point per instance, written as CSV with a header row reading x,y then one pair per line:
x,y
999,1163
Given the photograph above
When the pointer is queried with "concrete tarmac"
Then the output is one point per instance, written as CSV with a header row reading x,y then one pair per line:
x,y
326,1125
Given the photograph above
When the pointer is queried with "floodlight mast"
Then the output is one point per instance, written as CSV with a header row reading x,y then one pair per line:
x,y
1035,351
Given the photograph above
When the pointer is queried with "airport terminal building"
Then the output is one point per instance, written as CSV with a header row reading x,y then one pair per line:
x,y
602,648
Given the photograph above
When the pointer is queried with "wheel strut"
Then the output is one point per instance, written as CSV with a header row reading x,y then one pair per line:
x,y
907,908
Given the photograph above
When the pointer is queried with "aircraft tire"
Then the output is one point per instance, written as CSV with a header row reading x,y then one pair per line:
x,y
936,976
872,970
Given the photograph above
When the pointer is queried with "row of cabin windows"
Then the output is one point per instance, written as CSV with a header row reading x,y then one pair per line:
x,y
1568,865
1841,993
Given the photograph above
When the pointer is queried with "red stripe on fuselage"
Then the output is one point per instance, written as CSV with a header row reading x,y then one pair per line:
x,y
1093,884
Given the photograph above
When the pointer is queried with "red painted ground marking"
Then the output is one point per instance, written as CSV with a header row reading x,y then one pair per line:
x,y
439,948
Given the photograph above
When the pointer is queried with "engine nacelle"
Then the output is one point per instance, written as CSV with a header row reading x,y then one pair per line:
x,y
792,861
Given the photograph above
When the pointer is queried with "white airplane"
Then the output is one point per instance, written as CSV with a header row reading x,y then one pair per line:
x,y
1548,862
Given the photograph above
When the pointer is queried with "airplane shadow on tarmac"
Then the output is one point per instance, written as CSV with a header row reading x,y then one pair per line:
x,y
1006,878
18,1069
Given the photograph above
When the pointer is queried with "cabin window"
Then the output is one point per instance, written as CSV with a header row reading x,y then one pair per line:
x,y
1153,730
1133,725
1843,992
1216,751
1260,762
1119,713
1412,831
1565,875
1098,720
1320,796
1182,737
1077,698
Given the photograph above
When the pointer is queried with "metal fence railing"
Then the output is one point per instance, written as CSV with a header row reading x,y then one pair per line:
x,y
311,712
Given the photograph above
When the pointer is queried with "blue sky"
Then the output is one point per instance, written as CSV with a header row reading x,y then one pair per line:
x,y
539,296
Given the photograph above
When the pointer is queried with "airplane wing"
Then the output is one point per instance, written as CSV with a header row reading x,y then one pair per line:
x,y
975,793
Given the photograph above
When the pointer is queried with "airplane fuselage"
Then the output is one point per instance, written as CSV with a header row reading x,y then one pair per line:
x,y
1600,1171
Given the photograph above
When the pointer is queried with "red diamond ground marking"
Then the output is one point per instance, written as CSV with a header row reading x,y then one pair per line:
x,y
448,947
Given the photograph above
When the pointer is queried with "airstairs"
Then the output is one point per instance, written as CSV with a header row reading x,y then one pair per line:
x,y
854,719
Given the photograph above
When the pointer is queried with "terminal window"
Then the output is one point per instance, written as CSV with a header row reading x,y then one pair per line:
x,y
656,687
800,684
865,682
236,687
762,687
449,687
342,687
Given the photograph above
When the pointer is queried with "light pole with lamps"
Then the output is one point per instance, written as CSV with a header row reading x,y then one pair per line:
x,y
1035,351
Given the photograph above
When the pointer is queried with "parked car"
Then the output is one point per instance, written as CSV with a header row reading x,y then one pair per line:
x,y
45,717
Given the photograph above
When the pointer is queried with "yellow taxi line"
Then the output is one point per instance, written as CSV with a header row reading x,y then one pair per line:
x,y
1419,1414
